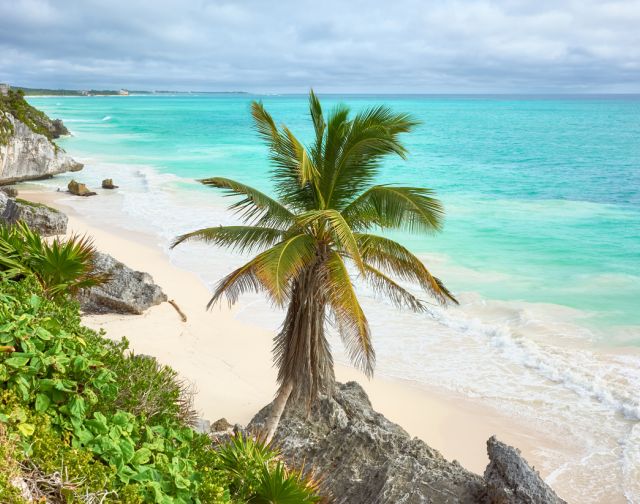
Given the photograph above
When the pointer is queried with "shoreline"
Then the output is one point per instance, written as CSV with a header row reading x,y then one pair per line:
x,y
210,351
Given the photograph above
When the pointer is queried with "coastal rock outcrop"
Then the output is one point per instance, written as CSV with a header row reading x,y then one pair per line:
x,y
57,128
10,191
26,155
46,220
79,189
364,458
510,479
108,184
127,291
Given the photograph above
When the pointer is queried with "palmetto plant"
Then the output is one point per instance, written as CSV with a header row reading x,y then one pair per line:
x,y
317,234
62,266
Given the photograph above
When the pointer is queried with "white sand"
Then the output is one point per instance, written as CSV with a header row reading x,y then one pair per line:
x,y
230,362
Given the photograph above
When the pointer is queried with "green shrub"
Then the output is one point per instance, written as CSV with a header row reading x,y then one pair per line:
x,y
62,266
148,388
68,405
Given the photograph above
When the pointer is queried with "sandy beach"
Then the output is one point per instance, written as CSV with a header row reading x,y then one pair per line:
x,y
229,362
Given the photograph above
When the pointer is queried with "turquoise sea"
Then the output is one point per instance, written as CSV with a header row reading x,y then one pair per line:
x,y
541,243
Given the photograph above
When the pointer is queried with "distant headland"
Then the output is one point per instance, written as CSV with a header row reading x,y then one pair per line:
x,y
107,92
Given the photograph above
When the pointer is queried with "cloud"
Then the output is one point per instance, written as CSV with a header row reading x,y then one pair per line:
x,y
335,46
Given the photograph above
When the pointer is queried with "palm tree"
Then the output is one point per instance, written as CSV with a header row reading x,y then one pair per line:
x,y
315,235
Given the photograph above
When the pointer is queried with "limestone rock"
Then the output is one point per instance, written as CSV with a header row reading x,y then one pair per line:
x,y
108,184
79,189
31,156
57,128
12,192
127,291
364,458
221,425
46,220
510,479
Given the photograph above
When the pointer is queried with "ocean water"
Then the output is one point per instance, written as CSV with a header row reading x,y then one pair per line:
x,y
541,244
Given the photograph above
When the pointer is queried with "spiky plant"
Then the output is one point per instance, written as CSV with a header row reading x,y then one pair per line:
x,y
317,233
61,266
257,474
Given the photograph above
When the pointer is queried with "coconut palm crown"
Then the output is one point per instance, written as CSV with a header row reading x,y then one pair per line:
x,y
316,235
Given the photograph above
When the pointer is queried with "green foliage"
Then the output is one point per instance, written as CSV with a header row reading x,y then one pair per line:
x,y
36,205
147,388
62,266
257,476
15,104
68,406
277,484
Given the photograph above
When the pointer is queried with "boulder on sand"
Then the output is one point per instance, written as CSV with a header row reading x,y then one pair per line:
x,y
41,218
108,184
127,291
79,189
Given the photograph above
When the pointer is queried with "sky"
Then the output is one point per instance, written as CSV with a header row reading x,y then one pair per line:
x,y
374,46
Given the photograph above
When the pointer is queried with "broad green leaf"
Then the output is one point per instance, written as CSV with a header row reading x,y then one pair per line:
x,y
80,364
17,362
43,334
26,429
182,482
141,456
121,419
35,301
42,402
128,450
84,436
77,407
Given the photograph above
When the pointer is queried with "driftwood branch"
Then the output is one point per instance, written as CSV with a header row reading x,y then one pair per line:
x,y
180,312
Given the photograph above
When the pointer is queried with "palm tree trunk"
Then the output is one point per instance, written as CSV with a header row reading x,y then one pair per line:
x,y
276,411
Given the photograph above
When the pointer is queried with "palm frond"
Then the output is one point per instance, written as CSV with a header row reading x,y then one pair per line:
x,y
12,259
239,238
399,296
338,229
370,136
336,128
283,262
319,126
256,207
407,208
62,267
238,282
292,166
389,255
350,319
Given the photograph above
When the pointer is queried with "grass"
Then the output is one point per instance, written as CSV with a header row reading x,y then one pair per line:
x,y
36,205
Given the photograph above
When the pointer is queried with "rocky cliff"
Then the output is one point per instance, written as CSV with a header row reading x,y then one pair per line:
x,y
27,151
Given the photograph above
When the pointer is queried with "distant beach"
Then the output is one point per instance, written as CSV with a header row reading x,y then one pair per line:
x,y
536,353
